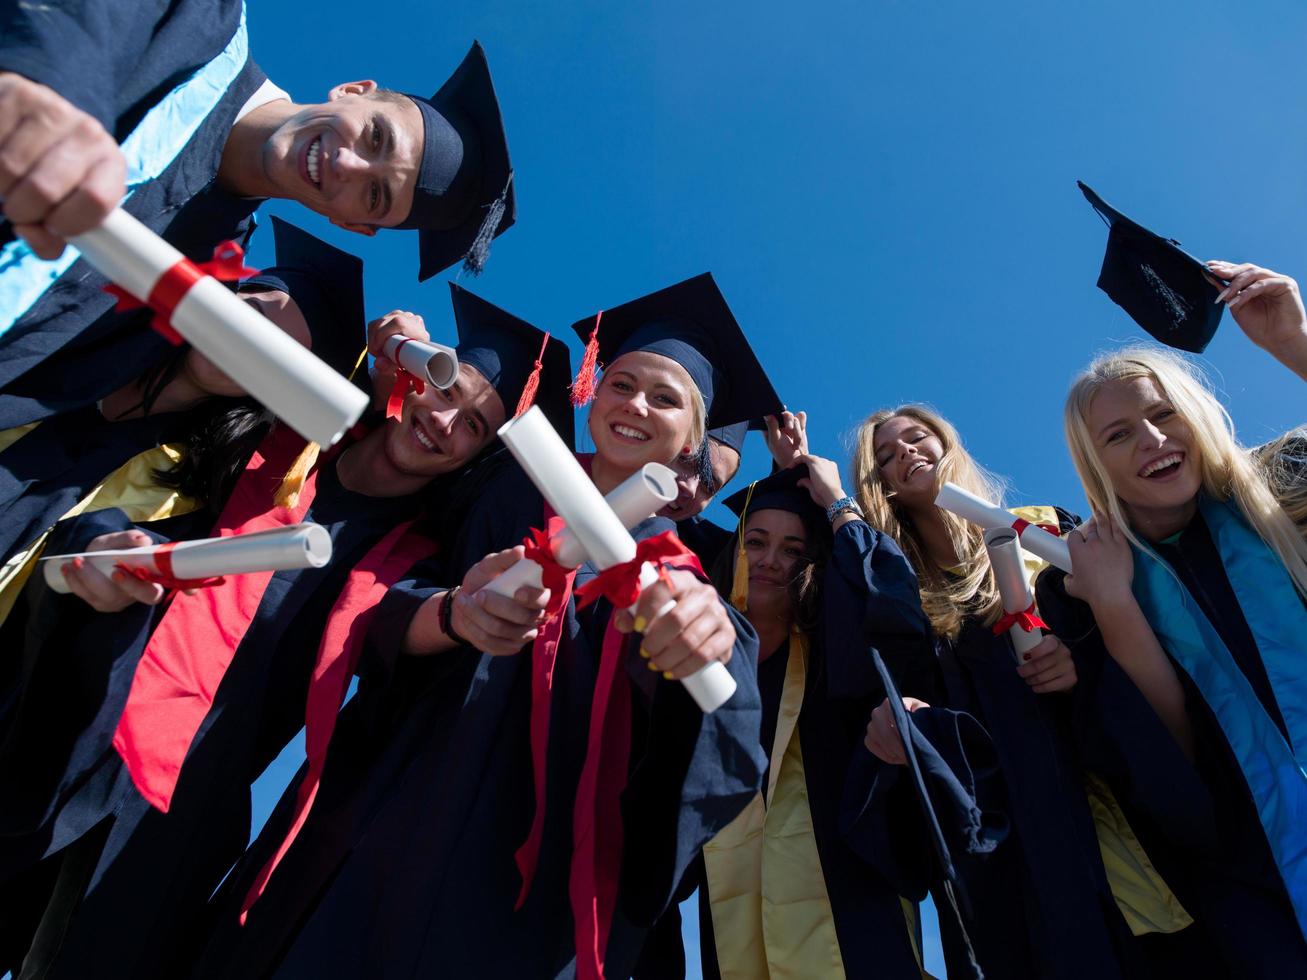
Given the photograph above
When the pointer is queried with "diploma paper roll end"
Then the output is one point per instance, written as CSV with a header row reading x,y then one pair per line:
x,y
710,687
434,363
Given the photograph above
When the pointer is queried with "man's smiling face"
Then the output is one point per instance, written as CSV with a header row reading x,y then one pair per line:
x,y
353,159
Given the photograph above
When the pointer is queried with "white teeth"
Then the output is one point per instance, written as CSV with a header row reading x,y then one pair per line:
x,y
916,466
422,438
623,430
314,155
1161,464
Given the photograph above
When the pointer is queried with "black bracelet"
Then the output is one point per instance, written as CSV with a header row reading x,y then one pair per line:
x,y
447,617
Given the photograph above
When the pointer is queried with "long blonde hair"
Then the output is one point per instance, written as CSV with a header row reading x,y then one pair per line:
x,y
1227,469
1283,461
948,596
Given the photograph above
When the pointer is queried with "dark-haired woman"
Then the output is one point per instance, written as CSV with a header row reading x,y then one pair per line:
x,y
139,794
781,894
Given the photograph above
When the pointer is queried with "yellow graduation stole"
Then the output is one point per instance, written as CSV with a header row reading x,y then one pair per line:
x,y
1142,895
131,487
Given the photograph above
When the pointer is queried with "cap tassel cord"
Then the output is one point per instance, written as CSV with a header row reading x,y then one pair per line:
x,y
740,578
474,261
583,388
532,381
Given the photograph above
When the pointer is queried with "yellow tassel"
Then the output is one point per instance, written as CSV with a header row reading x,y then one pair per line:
x,y
740,579
288,494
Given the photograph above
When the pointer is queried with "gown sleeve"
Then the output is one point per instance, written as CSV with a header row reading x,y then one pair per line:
x,y
1118,733
870,598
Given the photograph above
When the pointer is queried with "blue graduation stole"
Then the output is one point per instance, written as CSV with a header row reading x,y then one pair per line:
x,y
150,149
1272,768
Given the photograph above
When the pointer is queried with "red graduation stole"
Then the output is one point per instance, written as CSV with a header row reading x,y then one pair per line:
x,y
338,656
193,645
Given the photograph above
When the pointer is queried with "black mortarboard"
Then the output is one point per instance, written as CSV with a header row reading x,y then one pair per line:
x,y
691,324
464,195
1163,288
731,436
504,349
779,491
326,283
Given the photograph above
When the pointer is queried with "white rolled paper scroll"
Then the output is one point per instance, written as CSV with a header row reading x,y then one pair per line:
x,y
1034,539
285,376
599,531
305,545
433,363
642,494
1004,549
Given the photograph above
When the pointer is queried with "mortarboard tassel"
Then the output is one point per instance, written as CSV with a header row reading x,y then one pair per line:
x,y
583,388
532,381
740,578
475,259
288,491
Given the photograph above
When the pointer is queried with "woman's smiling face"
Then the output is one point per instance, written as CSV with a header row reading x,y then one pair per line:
x,y
907,453
643,411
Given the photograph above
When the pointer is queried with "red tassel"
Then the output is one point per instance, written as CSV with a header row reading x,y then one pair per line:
x,y
532,381
583,388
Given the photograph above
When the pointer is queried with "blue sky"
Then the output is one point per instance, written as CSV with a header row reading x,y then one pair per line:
x,y
885,191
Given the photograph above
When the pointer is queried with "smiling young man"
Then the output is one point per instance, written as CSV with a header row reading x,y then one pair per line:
x,y
166,108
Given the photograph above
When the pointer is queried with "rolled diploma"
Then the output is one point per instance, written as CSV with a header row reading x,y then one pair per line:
x,y
640,495
285,376
561,480
434,363
305,545
1034,539
1004,549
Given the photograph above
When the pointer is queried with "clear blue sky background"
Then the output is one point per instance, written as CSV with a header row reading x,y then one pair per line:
x,y
885,191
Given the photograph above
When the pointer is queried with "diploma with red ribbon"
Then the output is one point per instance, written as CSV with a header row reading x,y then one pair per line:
x,y
564,484
418,363
191,304
202,563
1018,620
1041,540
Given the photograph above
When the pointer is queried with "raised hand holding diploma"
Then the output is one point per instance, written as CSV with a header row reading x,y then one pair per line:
x,y
1035,539
295,385
561,480
144,570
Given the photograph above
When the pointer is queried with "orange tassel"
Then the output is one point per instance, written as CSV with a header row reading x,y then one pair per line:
x,y
288,493
740,578
583,388
532,381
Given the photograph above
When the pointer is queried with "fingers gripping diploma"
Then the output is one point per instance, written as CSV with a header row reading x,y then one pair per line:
x,y
61,173
1049,667
684,623
111,593
496,624
883,739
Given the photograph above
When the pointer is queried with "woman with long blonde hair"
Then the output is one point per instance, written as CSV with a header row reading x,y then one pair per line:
x,y
1001,728
1192,581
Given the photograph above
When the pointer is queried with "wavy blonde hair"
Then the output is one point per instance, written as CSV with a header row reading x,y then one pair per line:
x,y
948,596
1283,460
1228,471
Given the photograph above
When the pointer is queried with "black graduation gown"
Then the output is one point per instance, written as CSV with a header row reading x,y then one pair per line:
x,y
705,539
1197,821
116,61
406,866
1040,903
50,469
148,875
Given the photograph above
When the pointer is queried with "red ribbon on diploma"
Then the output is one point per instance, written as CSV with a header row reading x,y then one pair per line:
x,y
404,383
1024,618
1020,525
165,575
227,265
620,584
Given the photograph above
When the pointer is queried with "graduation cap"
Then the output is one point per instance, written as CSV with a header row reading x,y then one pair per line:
x,y
1164,289
779,491
523,364
691,324
732,436
464,195
326,283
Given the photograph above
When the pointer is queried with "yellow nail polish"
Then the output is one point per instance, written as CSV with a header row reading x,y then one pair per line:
x,y
644,653
667,675
652,666
640,624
